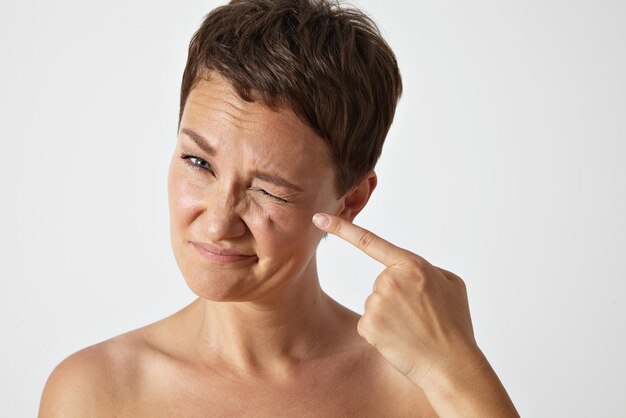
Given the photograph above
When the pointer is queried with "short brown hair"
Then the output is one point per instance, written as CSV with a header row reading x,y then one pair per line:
x,y
330,64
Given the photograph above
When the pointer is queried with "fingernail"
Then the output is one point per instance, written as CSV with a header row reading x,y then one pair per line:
x,y
321,220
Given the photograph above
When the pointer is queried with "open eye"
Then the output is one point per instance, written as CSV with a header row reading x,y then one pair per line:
x,y
196,162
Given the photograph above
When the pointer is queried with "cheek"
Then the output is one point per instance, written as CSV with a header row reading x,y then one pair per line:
x,y
185,196
280,230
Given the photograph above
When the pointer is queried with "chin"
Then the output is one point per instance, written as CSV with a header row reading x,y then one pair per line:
x,y
216,286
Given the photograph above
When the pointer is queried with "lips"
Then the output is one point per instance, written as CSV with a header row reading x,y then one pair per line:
x,y
221,256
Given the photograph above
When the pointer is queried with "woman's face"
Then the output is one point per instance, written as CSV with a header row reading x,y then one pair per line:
x,y
244,182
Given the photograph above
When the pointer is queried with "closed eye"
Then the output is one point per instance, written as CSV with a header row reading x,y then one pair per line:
x,y
198,163
271,196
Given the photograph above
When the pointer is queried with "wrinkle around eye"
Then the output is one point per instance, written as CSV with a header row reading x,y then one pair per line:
x,y
265,202
264,195
273,196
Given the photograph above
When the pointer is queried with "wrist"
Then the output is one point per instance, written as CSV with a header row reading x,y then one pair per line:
x,y
468,385
447,377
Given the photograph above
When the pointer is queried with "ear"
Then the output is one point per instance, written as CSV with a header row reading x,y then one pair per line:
x,y
358,196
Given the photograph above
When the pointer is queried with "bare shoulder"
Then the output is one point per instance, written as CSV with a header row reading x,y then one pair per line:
x,y
80,385
89,382
103,378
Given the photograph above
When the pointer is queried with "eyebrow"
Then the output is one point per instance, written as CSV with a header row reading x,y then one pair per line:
x,y
276,180
199,140
204,145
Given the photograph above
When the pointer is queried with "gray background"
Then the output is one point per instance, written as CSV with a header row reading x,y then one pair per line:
x,y
505,164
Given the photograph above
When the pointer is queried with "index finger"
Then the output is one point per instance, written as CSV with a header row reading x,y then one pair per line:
x,y
366,241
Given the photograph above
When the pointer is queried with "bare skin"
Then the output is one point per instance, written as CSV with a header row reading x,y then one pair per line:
x,y
263,339
418,318
154,372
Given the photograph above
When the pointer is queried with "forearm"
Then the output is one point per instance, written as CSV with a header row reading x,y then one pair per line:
x,y
473,392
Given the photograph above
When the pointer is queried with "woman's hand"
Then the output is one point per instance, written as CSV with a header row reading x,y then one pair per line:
x,y
417,315
418,318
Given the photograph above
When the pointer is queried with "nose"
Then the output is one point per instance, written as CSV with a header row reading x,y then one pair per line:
x,y
223,220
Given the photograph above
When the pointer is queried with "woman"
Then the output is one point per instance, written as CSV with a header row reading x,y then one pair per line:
x,y
284,109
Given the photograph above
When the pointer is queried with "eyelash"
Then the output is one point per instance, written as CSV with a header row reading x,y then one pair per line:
x,y
188,157
188,160
279,199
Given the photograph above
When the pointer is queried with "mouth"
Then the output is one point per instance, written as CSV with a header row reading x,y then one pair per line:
x,y
221,256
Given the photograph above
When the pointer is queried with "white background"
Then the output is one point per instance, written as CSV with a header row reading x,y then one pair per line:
x,y
505,164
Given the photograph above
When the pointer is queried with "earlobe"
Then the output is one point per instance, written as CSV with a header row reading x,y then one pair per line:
x,y
356,199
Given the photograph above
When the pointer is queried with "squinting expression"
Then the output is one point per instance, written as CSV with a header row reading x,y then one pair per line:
x,y
244,182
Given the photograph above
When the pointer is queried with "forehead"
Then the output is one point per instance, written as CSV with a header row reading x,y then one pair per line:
x,y
275,138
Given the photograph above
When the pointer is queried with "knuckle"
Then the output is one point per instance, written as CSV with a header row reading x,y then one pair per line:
x,y
364,326
337,228
454,278
421,284
368,302
366,239
417,263
372,302
388,282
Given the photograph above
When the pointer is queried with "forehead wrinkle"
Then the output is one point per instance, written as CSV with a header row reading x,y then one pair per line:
x,y
222,109
221,91
292,157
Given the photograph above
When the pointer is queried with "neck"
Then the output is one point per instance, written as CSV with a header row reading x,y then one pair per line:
x,y
293,324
